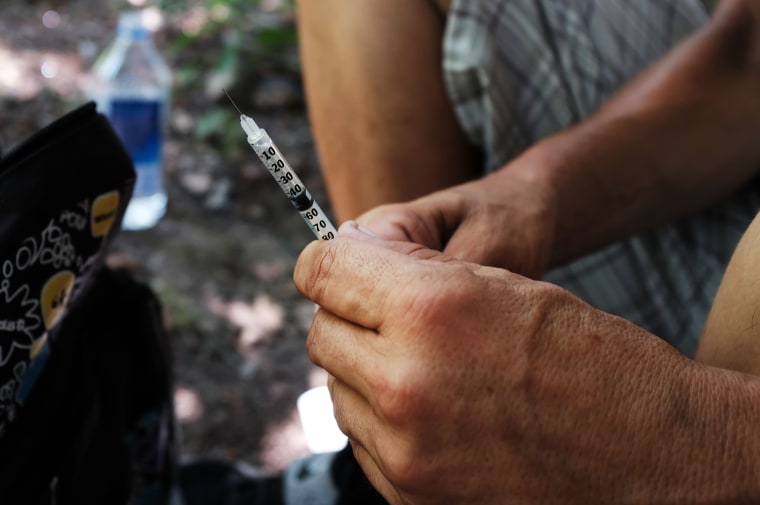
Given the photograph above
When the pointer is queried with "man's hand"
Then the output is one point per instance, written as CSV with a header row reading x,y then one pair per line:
x,y
678,138
459,383
505,219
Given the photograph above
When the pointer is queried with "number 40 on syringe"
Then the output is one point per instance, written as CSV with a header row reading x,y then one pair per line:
x,y
289,182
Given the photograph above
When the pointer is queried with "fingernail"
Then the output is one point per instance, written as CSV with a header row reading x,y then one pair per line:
x,y
355,230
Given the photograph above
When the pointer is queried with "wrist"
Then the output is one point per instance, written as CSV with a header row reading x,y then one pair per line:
x,y
693,435
602,187
548,168
527,184
717,421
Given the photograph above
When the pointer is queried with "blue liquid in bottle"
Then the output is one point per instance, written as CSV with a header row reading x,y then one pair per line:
x,y
138,122
132,87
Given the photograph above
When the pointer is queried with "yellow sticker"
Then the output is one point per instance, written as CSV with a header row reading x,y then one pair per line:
x,y
37,346
55,296
103,215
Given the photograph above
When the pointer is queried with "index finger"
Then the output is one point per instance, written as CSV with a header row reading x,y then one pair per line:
x,y
355,279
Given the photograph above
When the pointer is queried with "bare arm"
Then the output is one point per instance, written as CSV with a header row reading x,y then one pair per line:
x,y
681,136
731,337
383,125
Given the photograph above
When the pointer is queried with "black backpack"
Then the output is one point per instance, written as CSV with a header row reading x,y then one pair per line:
x,y
85,379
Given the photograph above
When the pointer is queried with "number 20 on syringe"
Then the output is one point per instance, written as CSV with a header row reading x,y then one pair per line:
x,y
289,182
291,185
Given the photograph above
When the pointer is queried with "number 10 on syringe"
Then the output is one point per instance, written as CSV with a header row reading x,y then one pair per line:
x,y
290,183
299,196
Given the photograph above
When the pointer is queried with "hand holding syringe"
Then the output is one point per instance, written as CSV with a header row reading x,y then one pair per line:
x,y
290,183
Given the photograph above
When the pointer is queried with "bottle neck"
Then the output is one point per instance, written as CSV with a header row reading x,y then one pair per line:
x,y
133,34
132,28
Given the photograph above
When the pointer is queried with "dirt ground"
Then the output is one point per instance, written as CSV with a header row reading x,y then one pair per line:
x,y
221,260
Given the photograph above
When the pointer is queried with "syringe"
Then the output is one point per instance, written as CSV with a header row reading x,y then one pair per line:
x,y
290,183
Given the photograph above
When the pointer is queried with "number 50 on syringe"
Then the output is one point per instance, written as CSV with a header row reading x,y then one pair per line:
x,y
289,182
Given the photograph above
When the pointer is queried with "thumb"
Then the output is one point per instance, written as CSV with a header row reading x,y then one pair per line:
x,y
352,229
473,243
476,242
403,222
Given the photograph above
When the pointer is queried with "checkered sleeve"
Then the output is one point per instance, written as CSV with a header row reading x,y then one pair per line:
x,y
519,70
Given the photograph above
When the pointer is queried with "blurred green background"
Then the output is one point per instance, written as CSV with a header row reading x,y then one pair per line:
x,y
209,44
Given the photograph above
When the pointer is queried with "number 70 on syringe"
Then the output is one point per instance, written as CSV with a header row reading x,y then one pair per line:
x,y
289,182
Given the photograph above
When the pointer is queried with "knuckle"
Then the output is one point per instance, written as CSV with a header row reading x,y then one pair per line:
x,y
442,296
344,417
399,398
314,339
401,464
425,306
312,345
319,274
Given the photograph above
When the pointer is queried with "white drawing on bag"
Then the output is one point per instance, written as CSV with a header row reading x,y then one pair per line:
x,y
73,220
54,248
26,322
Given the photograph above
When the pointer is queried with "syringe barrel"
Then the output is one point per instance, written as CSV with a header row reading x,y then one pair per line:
x,y
292,185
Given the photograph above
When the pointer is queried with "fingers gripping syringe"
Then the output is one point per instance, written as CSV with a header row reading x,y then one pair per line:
x,y
290,183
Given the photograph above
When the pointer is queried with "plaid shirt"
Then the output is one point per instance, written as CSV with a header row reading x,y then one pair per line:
x,y
519,70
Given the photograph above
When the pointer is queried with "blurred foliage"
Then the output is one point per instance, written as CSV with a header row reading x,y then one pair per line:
x,y
217,45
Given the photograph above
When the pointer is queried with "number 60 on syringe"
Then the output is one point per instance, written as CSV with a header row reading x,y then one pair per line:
x,y
289,182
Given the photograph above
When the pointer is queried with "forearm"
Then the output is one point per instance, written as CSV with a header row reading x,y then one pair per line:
x,y
683,135
683,433
717,442
652,425
731,336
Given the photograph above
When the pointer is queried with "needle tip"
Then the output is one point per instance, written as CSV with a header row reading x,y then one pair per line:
x,y
232,101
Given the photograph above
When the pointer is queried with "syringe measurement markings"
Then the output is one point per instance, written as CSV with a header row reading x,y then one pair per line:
x,y
293,187
289,182
275,163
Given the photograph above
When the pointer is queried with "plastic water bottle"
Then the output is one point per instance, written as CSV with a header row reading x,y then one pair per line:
x,y
131,85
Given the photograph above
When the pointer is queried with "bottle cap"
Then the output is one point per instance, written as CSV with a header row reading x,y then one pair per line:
x,y
131,25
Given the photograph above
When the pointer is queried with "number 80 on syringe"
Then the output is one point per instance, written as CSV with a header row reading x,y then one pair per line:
x,y
293,187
